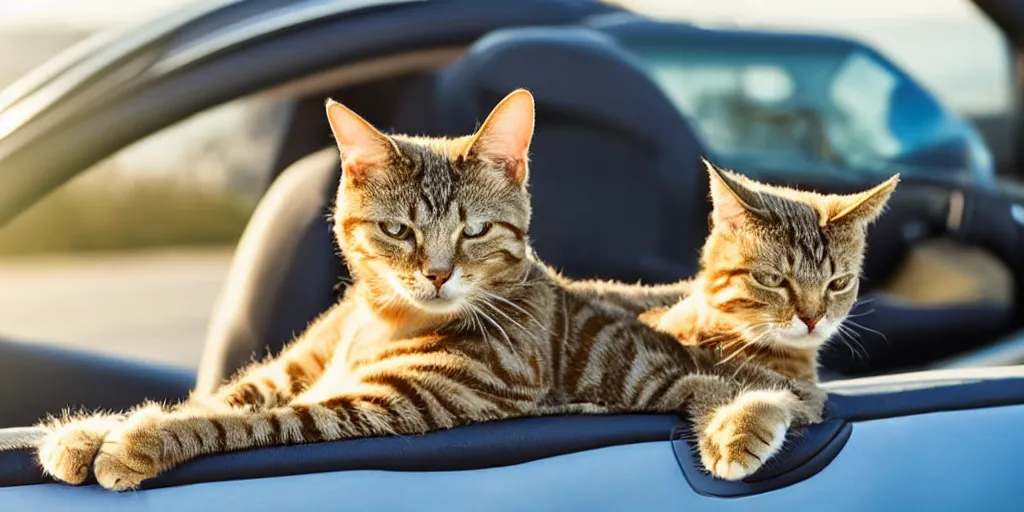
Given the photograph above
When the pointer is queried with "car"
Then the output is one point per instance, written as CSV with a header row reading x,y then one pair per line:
x,y
617,122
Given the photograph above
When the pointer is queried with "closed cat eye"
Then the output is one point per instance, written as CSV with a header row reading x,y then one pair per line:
x,y
476,230
840,283
767,279
395,230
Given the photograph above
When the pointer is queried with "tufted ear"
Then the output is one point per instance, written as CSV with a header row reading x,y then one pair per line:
x,y
731,200
505,136
863,207
362,146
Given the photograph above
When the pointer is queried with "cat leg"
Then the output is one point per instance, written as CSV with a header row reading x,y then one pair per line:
x,y
273,383
738,437
737,428
741,436
151,442
391,400
68,450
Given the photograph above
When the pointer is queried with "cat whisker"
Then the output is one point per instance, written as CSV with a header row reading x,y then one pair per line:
x,y
475,323
741,338
843,338
868,312
846,336
508,339
729,357
506,316
517,307
846,329
749,359
855,324
490,320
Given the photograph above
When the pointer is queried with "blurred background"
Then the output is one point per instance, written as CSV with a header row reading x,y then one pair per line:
x,y
129,257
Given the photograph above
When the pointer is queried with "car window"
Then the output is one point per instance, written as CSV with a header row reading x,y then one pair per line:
x,y
949,46
796,102
129,257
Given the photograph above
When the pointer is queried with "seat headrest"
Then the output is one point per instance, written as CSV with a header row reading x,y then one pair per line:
x,y
605,131
571,69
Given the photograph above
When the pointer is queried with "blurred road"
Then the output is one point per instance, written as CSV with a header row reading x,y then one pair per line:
x,y
150,306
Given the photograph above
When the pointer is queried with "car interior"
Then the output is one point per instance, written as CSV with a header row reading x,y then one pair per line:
x,y
618,192
285,273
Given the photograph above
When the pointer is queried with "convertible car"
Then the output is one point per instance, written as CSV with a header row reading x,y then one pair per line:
x,y
919,415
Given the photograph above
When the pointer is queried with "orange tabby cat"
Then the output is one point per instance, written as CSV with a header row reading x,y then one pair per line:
x,y
449,321
779,275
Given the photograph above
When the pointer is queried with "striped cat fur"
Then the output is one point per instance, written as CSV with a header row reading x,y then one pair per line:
x,y
450,320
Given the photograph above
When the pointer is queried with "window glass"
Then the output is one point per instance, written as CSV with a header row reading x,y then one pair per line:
x,y
128,258
949,46
798,103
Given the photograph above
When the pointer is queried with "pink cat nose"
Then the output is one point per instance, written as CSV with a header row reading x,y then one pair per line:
x,y
439,277
810,322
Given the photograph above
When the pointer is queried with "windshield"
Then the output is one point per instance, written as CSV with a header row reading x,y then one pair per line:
x,y
961,57
795,101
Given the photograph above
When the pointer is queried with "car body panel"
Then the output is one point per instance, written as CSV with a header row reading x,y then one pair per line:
x,y
936,461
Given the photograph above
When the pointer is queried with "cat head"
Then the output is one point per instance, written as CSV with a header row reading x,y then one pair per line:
x,y
433,224
786,261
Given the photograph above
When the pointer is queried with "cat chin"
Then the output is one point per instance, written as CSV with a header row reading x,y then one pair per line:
x,y
799,340
803,341
795,334
440,306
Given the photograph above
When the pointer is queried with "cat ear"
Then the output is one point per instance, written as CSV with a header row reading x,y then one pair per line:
x,y
731,200
864,207
505,136
362,146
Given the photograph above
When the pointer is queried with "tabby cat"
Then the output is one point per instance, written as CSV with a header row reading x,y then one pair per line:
x,y
779,273
450,320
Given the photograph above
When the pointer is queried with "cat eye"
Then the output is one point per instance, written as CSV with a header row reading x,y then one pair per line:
x,y
395,230
476,230
840,283
768,279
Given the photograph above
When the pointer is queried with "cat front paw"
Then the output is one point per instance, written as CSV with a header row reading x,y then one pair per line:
x,y
131,453
743,435
67,452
